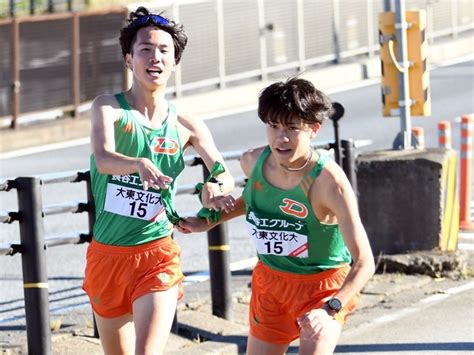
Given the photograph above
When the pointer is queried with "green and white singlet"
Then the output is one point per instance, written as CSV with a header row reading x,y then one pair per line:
x,y
284,228
125,213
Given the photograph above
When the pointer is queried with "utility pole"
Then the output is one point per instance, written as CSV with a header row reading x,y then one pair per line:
x,y
405,75
404,138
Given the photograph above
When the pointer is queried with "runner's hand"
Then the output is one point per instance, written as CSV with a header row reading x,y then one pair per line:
x,y
316,323
193,225
151,176
213,198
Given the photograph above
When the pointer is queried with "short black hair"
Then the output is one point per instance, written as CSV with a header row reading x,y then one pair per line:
x,y
128,34
284,101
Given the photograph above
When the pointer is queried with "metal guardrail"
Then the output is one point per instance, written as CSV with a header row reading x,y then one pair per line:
x,y
68,238
33,244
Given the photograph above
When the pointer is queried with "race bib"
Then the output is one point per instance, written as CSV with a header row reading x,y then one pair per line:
x,y
278,242
134,203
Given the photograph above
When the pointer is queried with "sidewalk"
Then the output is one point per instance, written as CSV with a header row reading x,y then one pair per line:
x,y
219,103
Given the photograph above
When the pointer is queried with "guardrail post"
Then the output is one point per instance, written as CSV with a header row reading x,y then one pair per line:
x,y
219,268
91,220
33,258
90,205
220,274
348,162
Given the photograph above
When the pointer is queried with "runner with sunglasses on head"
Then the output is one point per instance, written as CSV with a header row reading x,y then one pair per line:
x,y
302,215
133,276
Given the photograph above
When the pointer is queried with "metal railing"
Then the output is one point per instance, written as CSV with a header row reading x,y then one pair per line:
x,y
79,56
33,247
33,243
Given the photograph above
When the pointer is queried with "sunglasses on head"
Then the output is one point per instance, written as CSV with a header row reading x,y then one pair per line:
x,y
142,20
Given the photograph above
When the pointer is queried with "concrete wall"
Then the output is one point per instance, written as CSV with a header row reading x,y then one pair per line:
x,y
401,198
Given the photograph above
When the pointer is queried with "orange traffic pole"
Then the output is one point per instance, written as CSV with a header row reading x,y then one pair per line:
x,y
444,134
419,133
466,173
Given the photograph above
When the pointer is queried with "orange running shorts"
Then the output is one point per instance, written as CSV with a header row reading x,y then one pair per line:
x,y
116,276
279,298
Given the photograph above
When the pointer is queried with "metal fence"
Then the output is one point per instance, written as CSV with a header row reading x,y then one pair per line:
x,y
64,60
33,242
58,60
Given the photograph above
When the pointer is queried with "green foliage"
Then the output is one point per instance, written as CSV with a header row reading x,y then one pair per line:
x,y
23,7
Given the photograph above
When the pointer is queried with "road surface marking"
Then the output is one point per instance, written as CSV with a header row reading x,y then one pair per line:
x,y
44,148
409,310
229,112
202,276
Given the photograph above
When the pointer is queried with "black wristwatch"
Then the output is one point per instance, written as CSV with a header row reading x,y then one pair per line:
x,y
213,180
334,304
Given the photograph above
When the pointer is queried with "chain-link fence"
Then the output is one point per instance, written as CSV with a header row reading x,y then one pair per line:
x,y
63,60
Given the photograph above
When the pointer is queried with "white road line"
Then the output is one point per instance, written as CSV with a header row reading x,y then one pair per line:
x,y
448,62
236,266
243,264
229,112
44,148
342,88
466,236
466,240
223,113
409,310
466,246
197,277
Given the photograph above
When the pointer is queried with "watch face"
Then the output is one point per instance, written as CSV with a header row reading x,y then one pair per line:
x,y
335,304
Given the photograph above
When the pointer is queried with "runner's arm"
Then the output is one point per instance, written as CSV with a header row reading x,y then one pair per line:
x,y
339,197
214,195
104,115
195,224
201,140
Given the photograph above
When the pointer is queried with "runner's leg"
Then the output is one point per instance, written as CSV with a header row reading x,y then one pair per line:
x,y
324,343
256,346
153,315
117,335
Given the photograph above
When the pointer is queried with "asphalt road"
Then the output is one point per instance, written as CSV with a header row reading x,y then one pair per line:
x,y
452,96
421,321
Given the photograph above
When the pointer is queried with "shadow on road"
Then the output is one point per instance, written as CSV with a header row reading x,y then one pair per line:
x,y
361,348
